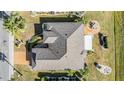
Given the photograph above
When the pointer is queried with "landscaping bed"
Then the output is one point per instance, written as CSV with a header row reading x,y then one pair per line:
x,y
31,75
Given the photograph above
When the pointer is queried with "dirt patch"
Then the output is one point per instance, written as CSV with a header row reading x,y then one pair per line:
x,y
20,58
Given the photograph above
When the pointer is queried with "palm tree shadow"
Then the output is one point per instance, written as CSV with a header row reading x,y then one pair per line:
x,y
2,57
3,15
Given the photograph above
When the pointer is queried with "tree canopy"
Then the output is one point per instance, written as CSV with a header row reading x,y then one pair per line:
x,y
14,24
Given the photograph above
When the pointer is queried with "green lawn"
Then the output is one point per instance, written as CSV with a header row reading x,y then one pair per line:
x,y
106,57
30,75
119,43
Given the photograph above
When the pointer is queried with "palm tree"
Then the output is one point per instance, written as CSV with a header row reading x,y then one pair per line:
x,y
70,72
14,24
44,78
84,73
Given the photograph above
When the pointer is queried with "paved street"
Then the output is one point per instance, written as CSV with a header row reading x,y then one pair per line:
x,y
6,51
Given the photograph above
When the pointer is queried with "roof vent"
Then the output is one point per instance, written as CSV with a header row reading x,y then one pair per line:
x,y
46,28
50,28
57,52
66,34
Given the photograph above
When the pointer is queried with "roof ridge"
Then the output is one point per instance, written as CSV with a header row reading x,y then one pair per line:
x,y
64,22
52,52
59,37
75,30
56,31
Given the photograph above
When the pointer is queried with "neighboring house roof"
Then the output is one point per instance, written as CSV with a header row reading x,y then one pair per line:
x,y
57,49
6,51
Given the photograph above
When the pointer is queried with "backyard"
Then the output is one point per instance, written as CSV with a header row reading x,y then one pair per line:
x,y
105,57
102,56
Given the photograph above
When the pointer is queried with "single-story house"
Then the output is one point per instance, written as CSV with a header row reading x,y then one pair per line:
x,y
63,43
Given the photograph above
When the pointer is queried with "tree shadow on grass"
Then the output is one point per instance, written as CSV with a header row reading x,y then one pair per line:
x,y
42,74
55,75
48,74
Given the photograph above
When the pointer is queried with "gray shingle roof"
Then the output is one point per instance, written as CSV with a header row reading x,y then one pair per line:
x,y
43,53
58,48
65,29
55,50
